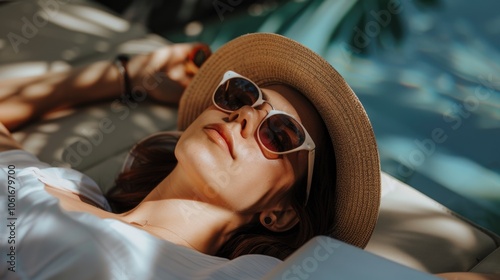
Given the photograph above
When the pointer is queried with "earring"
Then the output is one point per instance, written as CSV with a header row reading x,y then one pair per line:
x,y
268,220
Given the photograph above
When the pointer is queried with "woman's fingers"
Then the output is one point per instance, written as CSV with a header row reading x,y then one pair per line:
x,y
196,57
166,72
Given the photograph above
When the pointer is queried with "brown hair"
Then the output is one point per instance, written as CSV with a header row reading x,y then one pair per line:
x,y
154,162
153,159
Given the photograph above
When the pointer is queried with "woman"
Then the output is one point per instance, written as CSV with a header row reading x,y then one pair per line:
x,y
275,149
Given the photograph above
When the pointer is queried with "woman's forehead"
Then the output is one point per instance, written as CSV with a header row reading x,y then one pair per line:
x,y
291,101
282,98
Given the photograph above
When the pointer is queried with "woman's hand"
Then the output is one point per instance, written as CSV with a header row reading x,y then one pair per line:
x,y
165,73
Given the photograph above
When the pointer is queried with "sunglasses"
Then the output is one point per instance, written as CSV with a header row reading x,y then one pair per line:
x,y
278,133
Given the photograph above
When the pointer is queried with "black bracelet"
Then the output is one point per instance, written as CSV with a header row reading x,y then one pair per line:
x,y
121,62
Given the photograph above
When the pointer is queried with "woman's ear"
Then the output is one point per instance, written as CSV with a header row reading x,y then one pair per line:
x,y
279,219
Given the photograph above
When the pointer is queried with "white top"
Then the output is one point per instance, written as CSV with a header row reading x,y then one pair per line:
x,y
39,240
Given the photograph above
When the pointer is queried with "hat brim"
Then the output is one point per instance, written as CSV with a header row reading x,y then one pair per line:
x,y
269,59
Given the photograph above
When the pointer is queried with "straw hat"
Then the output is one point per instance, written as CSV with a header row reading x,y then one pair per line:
x,y
269,59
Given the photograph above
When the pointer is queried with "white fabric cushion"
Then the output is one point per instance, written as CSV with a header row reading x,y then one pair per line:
x,y
415,230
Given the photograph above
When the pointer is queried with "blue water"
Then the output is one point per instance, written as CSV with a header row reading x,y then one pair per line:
x,y
430,85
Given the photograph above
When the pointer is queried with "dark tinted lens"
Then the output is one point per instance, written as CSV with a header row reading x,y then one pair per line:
x,y
281,133
236,93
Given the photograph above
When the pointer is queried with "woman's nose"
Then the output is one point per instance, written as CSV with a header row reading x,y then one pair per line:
x,y
249,119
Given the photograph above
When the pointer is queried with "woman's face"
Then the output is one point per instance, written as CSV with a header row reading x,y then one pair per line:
x,y
221,155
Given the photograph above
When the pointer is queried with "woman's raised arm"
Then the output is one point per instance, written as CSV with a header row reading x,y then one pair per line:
x,y
28,98
162,74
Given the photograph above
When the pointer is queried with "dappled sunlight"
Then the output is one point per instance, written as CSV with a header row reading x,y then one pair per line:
x,y
60,34
37,91
396,146
49,127
144,122
60,114
407,223
464,176
88,20
366,75
479,101
468,56
102,18
87,78
415,79
437,225
149,43
160,113
36,141
97,113
422,22
491,119
324,20
275,22
147,249
410,156
407,217
85,127
472,62
70,22
21,69
407,89
83,138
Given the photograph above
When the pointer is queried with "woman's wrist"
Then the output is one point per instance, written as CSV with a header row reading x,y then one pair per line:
x,y
137,69
121,62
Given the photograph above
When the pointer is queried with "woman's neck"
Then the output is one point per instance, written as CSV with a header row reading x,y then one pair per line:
x,y
174,212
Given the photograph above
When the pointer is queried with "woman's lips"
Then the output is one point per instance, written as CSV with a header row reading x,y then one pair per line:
x,y
219,134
